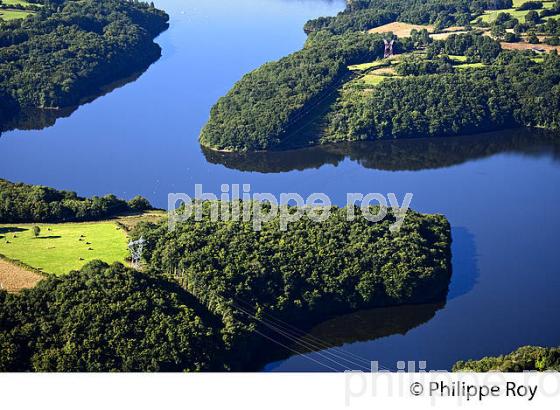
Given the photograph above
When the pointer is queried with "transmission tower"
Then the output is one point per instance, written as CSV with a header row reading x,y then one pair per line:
x,y
389,48
136,249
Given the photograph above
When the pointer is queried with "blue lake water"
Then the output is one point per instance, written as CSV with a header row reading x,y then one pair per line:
x,y
500,192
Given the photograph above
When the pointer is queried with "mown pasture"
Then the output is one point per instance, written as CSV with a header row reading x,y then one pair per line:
x,y
60,248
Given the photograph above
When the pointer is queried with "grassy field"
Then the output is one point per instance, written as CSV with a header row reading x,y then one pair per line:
x,y
367,66
63,247
22,3
386,62
9,14
458,59
469,65
372,79
490,15
517,3
129,222
14,14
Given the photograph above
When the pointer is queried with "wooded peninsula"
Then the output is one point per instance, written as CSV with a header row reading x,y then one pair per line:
x,y
456,67
62,52
212,295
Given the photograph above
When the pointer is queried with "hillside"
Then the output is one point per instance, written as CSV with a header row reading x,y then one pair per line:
x,y
451,75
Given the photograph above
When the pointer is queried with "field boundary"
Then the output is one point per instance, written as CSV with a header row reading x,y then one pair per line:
x,y
22,265
16,276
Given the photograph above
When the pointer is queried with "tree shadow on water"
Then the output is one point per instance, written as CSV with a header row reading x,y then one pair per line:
x,y
465,263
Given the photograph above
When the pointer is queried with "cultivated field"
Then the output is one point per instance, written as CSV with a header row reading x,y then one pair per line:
x,y
372,79
527,46
14,278
367,66
445,34
400,29
61,248
405,29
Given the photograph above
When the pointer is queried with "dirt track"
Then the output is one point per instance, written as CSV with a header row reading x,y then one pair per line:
x,y
14,278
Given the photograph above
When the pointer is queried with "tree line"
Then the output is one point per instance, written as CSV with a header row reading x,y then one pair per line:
x,y
261,108
366,14
269,105
31,203
105,319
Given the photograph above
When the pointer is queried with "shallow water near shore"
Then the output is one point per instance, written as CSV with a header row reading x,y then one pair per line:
x,y
500,191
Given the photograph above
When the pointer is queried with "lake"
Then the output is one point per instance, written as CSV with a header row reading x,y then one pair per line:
x,y
501,192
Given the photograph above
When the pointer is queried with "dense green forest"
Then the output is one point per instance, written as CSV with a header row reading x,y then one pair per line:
x,y
106,318
514,91
68,49
261,108
303,275
462,84
32,203
213,294
527,358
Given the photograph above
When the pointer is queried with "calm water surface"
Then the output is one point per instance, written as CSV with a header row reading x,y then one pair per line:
x,y
501,195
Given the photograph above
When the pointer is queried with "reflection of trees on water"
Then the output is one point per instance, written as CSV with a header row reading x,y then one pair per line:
x,y
368,325
325,341
38,119
372,324
397,155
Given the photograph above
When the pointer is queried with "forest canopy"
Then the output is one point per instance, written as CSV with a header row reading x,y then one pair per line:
x,y
106,318
261,108
67,50
303,275
515,91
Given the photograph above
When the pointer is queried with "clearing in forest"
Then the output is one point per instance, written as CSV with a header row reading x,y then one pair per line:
x,y
527,46
60,248
490,15
400,29
11,14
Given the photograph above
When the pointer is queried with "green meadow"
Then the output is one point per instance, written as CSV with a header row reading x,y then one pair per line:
x,y
22,3
60,248
367,66
490,15
470,65
458,59
9,14
373,79
14,14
